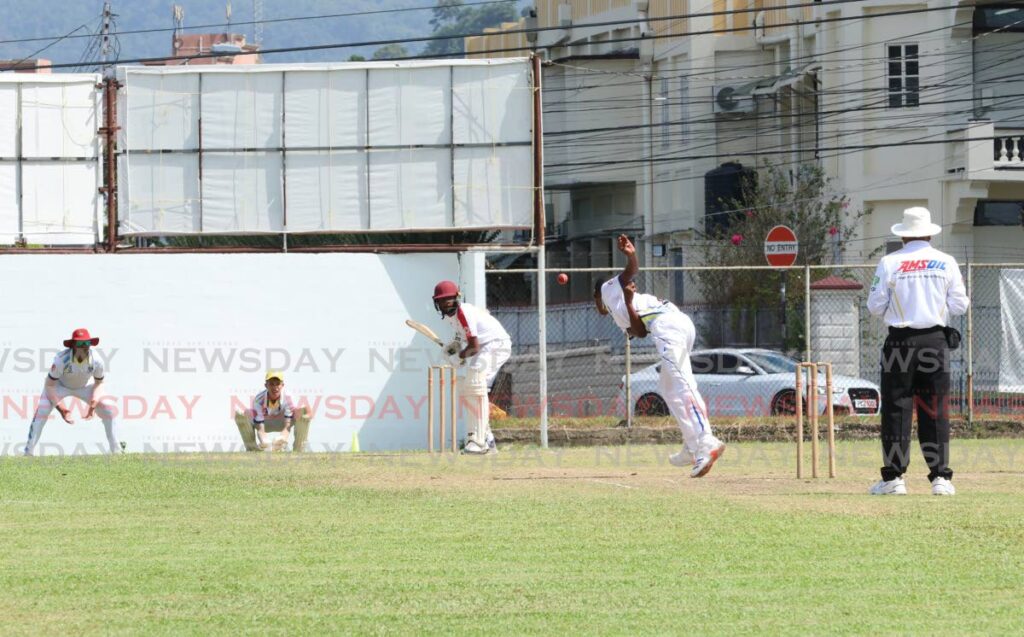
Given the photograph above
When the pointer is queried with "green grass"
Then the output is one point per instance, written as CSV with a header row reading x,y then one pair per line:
x,y
583,541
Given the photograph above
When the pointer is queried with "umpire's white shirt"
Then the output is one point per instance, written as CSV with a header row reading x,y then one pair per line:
x,y
917,287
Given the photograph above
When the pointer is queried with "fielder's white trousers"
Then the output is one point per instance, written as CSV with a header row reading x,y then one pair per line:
x,y
84,394
481,371
674,339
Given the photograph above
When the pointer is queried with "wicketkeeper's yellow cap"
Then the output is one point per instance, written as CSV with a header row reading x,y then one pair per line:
x,y
275,374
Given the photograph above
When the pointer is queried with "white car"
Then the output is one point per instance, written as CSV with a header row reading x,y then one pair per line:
x,y
751,382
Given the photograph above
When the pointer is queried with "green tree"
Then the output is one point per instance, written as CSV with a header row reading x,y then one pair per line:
x,y
805,201
390,52
356,58
452,17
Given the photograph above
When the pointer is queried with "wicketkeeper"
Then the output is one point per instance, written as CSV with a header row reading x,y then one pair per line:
x,y
483,345
273,411
69,375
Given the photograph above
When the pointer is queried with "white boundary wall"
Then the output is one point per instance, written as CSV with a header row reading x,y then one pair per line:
x,y
187,338
49,158
368,146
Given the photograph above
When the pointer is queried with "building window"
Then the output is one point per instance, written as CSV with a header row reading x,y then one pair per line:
x,y
904,76
999,213
999,18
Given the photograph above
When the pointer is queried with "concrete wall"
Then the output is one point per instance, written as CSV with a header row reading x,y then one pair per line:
x,y
835,324
187,339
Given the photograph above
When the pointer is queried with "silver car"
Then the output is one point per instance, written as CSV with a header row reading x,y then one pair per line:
x,y
751,382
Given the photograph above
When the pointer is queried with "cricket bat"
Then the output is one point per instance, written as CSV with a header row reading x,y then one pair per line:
x,y
424,330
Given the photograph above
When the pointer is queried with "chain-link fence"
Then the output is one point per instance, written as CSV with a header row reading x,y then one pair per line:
x,y
746,314
994,353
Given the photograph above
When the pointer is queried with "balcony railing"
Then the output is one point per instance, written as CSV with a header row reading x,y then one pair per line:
x,y
1008,149
988,150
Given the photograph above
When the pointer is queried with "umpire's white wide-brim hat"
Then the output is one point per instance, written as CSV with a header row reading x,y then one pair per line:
x,y
917,222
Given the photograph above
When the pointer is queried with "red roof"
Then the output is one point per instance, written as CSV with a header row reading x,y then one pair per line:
x,y
836,283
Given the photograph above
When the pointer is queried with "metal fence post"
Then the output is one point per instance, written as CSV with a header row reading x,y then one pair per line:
x,y
629,384
807,312
970,345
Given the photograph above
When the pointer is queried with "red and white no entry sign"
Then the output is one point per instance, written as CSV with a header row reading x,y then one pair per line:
x,y
781,247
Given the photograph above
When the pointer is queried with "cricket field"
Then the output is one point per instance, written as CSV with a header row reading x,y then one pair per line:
x,y
589,541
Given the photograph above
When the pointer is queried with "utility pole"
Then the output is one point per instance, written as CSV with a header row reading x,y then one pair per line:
x,y
105,46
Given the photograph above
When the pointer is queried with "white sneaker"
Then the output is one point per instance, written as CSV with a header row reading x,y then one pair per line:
x,y
889,487
476,449
681,459
706,460
942,486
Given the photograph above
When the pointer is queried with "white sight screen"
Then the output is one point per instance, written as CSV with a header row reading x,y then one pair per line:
x,y
351,147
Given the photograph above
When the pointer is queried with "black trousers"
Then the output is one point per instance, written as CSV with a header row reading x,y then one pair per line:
x,y
915,375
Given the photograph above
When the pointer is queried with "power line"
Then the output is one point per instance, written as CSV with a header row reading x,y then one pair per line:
x,y
717,139
38,51
370,43
224,25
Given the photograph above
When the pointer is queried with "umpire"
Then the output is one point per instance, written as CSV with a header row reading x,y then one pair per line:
x,y
915,291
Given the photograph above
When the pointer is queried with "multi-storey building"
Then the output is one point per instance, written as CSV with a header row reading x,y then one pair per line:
x,y
902,103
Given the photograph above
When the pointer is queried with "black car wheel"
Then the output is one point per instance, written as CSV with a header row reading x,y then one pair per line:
x,y
784,403
651,405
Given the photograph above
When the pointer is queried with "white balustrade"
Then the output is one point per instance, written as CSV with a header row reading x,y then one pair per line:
x,y
1009,148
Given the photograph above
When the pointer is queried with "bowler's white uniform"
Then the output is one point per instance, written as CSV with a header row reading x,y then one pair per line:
x,y
481,369
673,334
72,380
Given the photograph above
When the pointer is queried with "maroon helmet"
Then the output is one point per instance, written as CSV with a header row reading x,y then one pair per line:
x,y
446,290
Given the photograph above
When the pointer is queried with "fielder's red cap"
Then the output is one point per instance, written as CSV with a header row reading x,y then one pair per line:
x,y
445,289
81,334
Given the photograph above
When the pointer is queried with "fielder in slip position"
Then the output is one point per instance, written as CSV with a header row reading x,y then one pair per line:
x,y
69,375
673,333
483,343
273,411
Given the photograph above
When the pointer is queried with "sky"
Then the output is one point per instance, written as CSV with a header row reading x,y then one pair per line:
x,y
80,19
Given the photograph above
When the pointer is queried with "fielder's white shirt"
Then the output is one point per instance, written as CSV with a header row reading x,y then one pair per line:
x,y
73,374
917,287
470,320
658,315
262,408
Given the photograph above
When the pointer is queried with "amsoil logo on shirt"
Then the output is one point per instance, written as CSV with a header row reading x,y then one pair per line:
x,y
918,266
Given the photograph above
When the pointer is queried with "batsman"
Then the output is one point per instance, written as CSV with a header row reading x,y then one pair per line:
x,y
483,346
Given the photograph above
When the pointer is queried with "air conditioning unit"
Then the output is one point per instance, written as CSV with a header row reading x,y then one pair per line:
x,y
732,99
531,25
225,47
